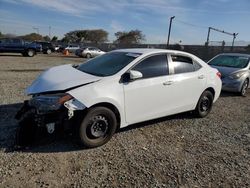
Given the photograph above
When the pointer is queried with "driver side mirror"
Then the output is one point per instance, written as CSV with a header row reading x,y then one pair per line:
x,y
131,76
134,75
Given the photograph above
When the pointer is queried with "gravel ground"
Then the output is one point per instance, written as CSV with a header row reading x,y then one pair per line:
x,y
176,151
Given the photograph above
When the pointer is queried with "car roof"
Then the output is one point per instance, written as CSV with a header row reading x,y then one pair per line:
x,y
236,54
149,50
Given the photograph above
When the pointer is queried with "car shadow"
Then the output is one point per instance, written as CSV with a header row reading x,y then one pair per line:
x,y
63,56
229,94
61,141
11,55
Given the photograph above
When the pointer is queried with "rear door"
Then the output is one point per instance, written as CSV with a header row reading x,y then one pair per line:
x,y
6,45
17,45
188,80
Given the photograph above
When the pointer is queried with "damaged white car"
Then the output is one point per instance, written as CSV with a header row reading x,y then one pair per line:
x,y
116,89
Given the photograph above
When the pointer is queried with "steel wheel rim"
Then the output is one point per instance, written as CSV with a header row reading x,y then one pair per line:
x,y
30,53
205,104
99,126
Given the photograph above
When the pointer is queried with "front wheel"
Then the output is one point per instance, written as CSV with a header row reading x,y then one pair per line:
x,y
205,104
244,88
97,127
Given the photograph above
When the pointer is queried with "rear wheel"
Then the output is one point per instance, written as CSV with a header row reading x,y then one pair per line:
x,y
244,88
97,127
205,104
48,51
88,56
30,52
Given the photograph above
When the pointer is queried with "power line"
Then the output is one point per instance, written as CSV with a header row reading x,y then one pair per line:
x,y
192,25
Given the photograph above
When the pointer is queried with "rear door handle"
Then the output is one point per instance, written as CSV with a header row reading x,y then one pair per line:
x,y
201,77
167,83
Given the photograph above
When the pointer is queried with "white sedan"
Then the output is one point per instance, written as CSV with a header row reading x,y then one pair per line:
x,y
117,89
89,52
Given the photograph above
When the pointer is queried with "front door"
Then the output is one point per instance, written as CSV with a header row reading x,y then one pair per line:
x,y
149,97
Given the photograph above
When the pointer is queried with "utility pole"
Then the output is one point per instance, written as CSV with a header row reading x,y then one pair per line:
x,y
221,31
208,35
169,29
234,37
50,32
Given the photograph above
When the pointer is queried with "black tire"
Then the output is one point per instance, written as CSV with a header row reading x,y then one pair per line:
x,y
244,87
204,105
48,51
88,56
30,52
97,127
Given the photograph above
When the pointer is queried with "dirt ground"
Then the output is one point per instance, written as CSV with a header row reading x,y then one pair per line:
x,y
175,151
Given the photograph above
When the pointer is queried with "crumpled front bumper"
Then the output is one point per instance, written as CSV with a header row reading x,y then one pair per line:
x,y
51,117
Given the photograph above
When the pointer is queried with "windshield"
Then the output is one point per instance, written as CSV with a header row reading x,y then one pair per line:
x,y
108,64
230,61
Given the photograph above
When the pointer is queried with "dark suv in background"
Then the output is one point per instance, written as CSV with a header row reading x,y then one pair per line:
x,y
16,45
47,47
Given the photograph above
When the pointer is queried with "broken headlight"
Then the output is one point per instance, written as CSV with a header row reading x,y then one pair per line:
x,y
49,102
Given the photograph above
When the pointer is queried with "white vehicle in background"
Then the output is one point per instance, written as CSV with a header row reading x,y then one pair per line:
x,y
117,89
72,48
89,52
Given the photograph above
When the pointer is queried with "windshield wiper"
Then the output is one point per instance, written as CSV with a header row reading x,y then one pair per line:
x,y
95,74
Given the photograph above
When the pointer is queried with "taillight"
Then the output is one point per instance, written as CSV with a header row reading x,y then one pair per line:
x,y
218,74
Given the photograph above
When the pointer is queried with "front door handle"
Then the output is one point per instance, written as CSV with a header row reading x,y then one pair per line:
x,y
167,83
201,77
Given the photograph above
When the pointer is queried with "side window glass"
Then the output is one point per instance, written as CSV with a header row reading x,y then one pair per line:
x,y
153,66
182,64
197,66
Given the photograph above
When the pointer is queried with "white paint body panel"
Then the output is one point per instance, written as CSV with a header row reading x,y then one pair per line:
x,y
60,78
140,100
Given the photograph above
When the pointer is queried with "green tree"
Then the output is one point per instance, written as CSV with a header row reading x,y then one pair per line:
x,y
131,37
54,39
1,34
95,36
46,38
32,37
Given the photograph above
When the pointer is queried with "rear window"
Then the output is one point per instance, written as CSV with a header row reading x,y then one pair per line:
x,y
183,64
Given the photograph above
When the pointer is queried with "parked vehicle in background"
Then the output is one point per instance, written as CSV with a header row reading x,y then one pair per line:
x,y
47,47
117,89
72,48
235,71
16,45
89,52
57,47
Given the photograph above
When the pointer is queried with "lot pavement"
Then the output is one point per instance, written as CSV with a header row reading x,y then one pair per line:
x,y
175,151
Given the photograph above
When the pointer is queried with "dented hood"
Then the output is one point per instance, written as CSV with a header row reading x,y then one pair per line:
x,y
60,78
